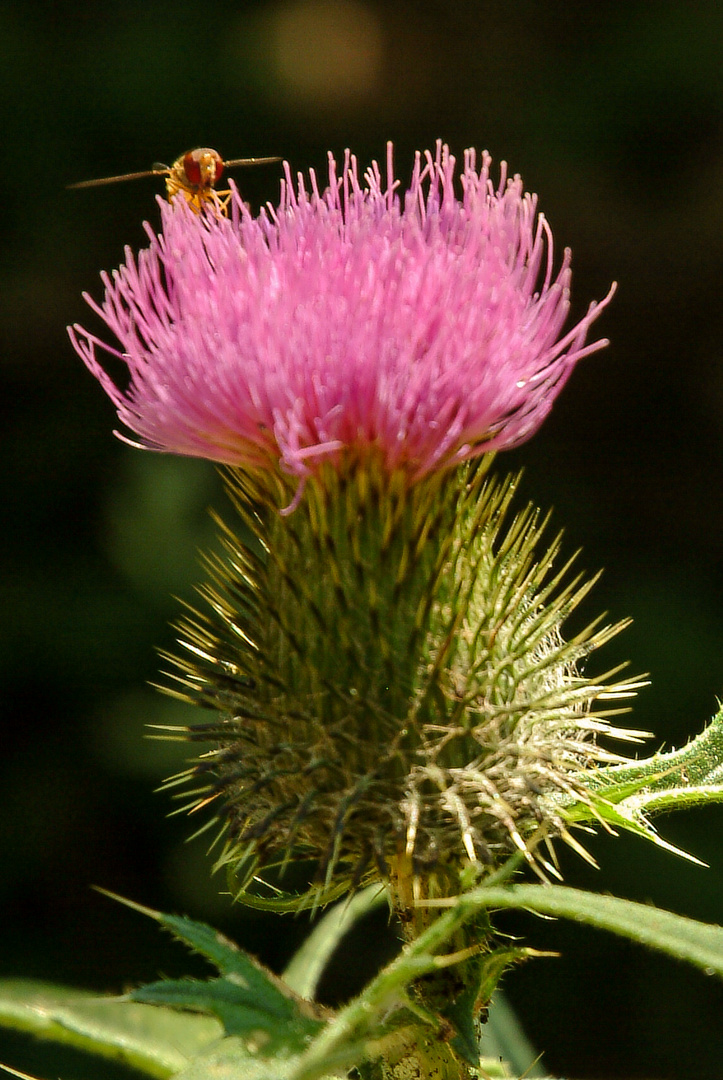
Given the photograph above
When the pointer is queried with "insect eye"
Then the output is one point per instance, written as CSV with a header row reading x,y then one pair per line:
x,y
202,167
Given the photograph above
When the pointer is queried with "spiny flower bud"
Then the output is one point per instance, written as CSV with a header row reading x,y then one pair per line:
x,y
390,680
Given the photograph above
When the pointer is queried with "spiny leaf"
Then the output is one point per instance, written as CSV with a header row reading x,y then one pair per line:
x,y
699,943
157,1042
248,999
270,1027
624,795
688,776
230,1059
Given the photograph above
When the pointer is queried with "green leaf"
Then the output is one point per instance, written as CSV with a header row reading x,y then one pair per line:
x,y
230,1059
624,796
307,965
383,1020
281,902
504,1039
462,1012
157,1042
698,943
248,999
686,777
689,776
269,1026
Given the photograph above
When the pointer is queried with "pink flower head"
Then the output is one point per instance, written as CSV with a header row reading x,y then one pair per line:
x,y
425,327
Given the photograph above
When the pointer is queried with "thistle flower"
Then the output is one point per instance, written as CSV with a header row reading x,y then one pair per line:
x,y
426,329
393,693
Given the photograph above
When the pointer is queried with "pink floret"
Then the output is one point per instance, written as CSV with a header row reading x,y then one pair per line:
x,y
426,327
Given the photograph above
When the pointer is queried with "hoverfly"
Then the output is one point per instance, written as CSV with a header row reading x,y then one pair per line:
x,y
193,175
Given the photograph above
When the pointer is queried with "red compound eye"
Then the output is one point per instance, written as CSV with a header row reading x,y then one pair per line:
x,y
202,167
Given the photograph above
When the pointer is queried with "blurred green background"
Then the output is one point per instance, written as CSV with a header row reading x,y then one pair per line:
x,y
613,112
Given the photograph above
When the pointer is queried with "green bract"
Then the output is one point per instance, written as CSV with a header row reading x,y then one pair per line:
x,y
394,694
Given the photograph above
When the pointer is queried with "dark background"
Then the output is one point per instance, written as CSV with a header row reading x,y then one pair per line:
x,y
613,112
